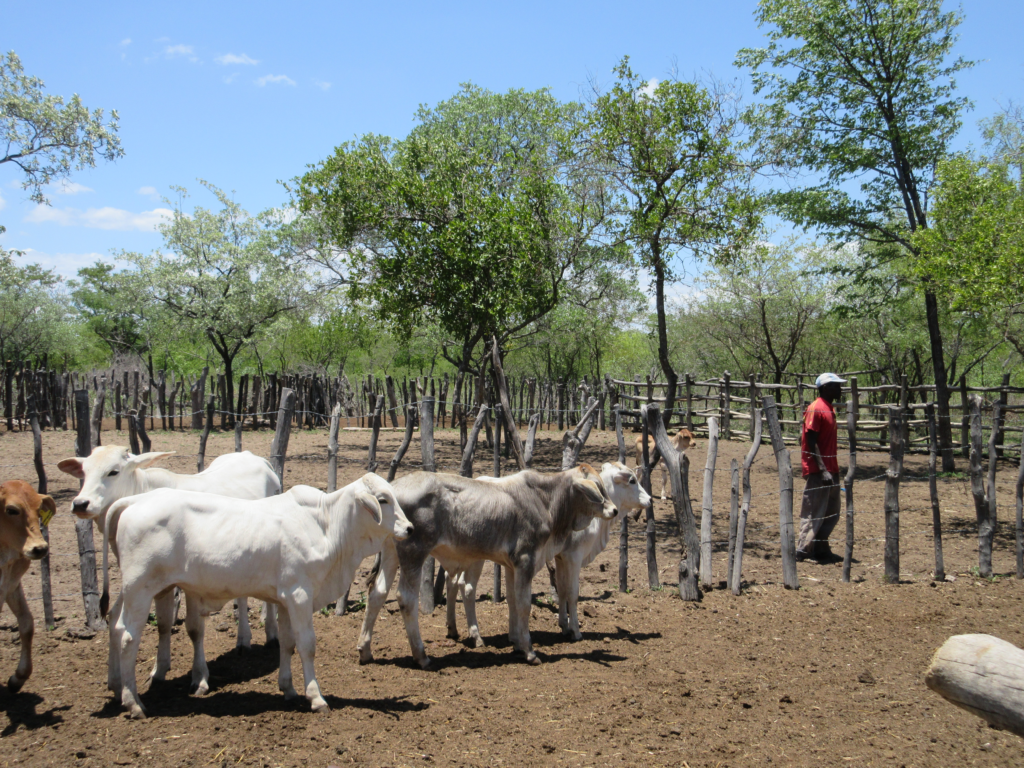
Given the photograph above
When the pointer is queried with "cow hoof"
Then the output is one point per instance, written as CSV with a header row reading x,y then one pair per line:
x,y
242,648
290,695
424,662
452,634
199,689
319,705
14,684
272,642
577,636
478,642
136,712
366,657
532,658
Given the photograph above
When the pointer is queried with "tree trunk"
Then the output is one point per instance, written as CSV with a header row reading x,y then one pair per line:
x,y
666,364
941,388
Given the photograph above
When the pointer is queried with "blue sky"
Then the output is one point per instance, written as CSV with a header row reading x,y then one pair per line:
x,y
245,95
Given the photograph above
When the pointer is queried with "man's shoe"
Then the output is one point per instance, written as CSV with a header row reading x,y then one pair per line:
x,y
801,556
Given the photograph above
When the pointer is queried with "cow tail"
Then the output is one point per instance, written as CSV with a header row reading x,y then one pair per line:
x,y
105,597
374,571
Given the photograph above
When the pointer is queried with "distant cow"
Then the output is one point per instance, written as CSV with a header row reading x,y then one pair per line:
x,y
518,523
578,550
21,542
682,440
299,550
112,472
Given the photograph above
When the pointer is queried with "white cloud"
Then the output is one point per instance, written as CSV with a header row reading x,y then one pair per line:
x,y
230,78
648,90
323,85
186,51
65,264
3,203
65,187
100,218
127,41
284,79
232,58
148,192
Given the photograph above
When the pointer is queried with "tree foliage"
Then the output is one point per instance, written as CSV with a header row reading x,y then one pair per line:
x,y
45,137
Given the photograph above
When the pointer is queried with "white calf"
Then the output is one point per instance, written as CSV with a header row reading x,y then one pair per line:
x,y
299,551
681,440
111,473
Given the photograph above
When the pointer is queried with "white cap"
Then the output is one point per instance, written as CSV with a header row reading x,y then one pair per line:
x,y
827,378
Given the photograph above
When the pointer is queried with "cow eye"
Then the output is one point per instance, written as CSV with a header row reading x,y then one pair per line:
x,y
383,500
632,481
13,511
113,473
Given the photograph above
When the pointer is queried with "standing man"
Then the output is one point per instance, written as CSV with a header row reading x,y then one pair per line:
x,y
819,511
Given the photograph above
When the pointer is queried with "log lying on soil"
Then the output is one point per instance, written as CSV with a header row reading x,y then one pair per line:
x,y
984,675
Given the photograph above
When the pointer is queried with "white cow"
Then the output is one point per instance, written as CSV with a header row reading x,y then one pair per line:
x,y
111,473
580,549
299,551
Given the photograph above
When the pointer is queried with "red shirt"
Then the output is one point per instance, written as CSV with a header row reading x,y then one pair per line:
x,y
820,418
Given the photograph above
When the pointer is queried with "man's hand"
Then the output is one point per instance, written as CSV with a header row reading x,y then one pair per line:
x,y
826,477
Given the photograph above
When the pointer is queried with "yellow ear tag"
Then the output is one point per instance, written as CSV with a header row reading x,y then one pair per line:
x,y
45,516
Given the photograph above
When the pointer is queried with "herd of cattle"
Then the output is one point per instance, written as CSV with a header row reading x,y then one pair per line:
x,y
229,533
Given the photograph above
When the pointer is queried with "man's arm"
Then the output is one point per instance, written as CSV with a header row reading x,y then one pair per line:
x,y
815,451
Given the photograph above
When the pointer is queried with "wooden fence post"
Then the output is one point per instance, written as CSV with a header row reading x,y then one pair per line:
x,y
965,419
389,384
37,458
727,406
741,526
83,528
892,496
707,501
851,434
1020,513
933,453
786,532
986,530
427,449
734,514
753,402
653,578
133,433
410,422
375,418
207,426
679,471
97,411
466,467
279,445
689,402
141,428
624,524
496,591
995,437
332,449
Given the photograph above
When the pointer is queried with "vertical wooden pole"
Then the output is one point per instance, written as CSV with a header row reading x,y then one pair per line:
x,y
965,419
133,433
892,496
37,458
376,406
734,513
999,428
933,453
851,434
1020,513
789,577
83,528
496,592
97,411
207,426
753,402
727,406
689,402
993,455
279,445
653,578
427,449
332,449
624,524
706,503
736,574
986,532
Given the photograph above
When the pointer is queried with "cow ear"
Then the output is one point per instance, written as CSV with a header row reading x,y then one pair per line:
x,y
72,467
371,505
47,509
589,489
144,460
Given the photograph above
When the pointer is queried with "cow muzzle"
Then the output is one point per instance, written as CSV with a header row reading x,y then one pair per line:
x,y
36,551
402,531
81,509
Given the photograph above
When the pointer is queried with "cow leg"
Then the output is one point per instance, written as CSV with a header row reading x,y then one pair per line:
x,y
375,600
451,590
114,647
300,617
195,624
130,623
409,601
512,599
269,614
562,585
470,579
287,647
26,629
244,640
523,581
164,608
573,595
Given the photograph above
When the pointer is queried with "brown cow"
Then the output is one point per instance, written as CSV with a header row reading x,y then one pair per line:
x,y
20,543
682,440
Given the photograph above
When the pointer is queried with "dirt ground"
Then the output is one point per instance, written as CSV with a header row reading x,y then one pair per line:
x,y
830,674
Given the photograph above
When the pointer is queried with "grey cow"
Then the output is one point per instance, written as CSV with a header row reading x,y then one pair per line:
x,y
520,524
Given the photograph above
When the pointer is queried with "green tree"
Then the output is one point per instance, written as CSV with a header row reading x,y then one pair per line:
x,y
680,183
471,223
103,299
861,94
225,275
34,320
46,138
